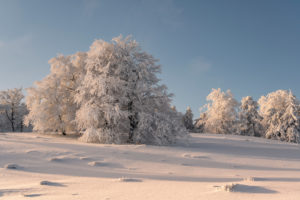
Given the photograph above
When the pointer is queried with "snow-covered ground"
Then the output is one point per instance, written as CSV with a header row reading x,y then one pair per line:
x,y
209,167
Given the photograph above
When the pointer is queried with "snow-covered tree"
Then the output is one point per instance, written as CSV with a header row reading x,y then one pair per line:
x,y
200,122
221,113
188,119
12,109
249,118
120,97
280,110
51,102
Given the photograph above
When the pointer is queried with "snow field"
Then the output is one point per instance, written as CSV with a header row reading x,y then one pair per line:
x,y
208,167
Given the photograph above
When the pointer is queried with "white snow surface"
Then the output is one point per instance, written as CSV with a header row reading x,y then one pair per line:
x,y
208,167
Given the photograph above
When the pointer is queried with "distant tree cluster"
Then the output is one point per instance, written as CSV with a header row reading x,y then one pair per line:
x,y
275,116
12,111
111,94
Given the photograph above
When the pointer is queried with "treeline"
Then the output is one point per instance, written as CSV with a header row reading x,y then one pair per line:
x,y
275,116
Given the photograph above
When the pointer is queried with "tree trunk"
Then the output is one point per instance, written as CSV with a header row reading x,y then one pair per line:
x,y
133,116
21,126
63,132
132,121
11,119
130,117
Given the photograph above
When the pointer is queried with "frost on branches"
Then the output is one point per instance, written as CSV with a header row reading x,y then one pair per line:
x,y
51,102
221,115
280,110
111,94
249,119
120,99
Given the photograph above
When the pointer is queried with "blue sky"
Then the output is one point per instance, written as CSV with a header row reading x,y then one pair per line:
x,y
251,47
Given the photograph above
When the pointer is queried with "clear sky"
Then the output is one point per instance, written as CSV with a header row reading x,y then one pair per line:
x,y
250,47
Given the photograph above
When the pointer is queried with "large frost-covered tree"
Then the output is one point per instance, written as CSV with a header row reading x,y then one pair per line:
x,y
12,109
120,97
51,102
249,118
221,114
280,110
188,119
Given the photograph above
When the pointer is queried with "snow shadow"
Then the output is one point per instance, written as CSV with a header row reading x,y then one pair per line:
x,y
32,195
4,192
49,183
252,189
124,179
13,166
279,179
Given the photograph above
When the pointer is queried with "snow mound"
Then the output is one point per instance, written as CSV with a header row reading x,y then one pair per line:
x,y
227,188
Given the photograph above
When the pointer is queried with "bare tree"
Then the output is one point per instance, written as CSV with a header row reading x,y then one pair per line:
x,y
12,107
